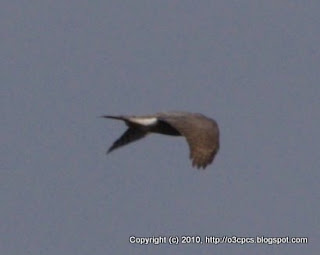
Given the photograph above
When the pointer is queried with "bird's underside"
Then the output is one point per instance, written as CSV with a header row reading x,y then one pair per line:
x,y
201,132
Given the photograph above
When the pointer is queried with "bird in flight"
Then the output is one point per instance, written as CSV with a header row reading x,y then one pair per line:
x,y
201,132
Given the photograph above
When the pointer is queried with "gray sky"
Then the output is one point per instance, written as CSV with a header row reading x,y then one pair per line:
x,y
254,66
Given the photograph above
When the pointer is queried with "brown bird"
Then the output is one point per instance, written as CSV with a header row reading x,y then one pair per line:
x,y
201,132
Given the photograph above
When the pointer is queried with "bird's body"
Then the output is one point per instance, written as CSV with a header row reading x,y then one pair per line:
x,y
201,132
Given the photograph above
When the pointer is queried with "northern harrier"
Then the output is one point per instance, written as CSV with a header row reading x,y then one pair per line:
x,y
201,132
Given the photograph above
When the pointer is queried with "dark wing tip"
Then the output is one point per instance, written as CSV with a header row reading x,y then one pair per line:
x,y
111,117
110,149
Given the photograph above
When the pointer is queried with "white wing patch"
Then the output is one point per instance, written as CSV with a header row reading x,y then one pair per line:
x,y
144,121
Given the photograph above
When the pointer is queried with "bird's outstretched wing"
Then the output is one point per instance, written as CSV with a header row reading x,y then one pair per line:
x,y
132,134
201,133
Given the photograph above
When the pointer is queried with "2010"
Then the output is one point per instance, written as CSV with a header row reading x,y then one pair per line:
x,y
190,239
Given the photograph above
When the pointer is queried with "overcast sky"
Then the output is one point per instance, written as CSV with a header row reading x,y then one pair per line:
x,y
253,66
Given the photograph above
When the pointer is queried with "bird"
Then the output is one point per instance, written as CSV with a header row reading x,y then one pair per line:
x,y
201,132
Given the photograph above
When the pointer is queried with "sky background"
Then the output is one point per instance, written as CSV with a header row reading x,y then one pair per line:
x,y
253,66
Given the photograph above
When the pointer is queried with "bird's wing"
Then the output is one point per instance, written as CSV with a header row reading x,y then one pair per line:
x,y
202,135
132,134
